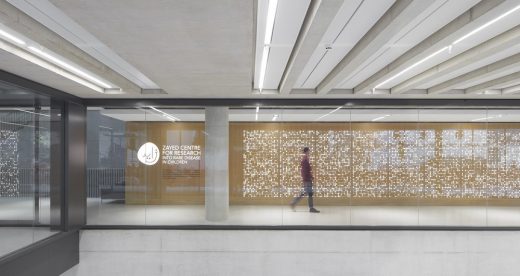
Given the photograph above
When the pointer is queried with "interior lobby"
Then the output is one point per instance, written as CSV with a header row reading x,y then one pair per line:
x,y
178,137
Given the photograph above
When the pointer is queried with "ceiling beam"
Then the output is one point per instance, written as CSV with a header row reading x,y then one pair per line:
x,y
319,16
437,40
386,28
505,81
511,90
499,43
21,23
480,73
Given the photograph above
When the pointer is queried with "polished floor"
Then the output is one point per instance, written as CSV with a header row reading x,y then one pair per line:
x,y
114,213
21,211
14,238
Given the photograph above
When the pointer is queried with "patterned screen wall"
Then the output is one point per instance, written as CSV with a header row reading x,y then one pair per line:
x,y
9,172
390,160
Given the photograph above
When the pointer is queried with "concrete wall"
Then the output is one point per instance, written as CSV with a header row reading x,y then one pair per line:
x,y
188,252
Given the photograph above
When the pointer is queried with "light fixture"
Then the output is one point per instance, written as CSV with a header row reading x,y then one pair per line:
x,y
113,91
271,14
22,125
67,66
486,25
322,116
275,117
487,118
35,113
380,118
449,47
166,115
12,37
411,67
32,53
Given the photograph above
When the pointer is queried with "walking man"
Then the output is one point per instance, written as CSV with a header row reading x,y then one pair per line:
x,y
307,179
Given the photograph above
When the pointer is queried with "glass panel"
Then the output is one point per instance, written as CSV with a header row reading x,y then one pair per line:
x,y
175,184
454,175
257,195
412,166
503,177
385,161
116,190
25,167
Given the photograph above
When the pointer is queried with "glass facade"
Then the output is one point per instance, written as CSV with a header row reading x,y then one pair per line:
x,y
29,182
371,166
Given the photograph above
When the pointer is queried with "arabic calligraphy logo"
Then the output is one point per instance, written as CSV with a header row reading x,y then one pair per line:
x,y
148,154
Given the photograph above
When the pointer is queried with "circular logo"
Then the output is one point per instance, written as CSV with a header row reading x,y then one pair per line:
x,y
148,154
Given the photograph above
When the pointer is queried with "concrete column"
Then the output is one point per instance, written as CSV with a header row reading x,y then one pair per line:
x,y
216,163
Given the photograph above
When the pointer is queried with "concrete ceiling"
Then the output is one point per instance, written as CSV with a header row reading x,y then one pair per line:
x,y
321,49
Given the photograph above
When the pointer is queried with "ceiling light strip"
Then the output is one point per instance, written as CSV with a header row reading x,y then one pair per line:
x,y
47,65
449,47
412,66
171,117
323,116
271,14
487,118
35,113
12,37
37,56
380,118
67,66
486,25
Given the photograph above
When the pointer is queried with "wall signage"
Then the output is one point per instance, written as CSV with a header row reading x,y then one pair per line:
x,y
148,154
180,154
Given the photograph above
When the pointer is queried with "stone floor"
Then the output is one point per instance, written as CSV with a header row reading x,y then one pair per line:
x,y
113,213
372,253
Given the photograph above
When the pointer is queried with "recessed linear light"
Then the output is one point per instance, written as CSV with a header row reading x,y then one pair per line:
x,y
449,47
411,67
322,116
15,124
12,37
47,65
486,25
35,113
487,118
68,66
271,14
380,118
48,62
170,117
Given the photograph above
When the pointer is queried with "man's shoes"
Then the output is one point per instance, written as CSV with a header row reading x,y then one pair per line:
x,y
313,210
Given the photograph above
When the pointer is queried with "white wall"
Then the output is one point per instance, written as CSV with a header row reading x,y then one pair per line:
x,y
188,252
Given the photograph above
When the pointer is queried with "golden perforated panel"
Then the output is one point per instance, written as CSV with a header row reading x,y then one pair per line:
x,y
435,161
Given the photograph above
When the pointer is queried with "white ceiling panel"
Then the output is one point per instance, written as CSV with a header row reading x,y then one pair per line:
x,y
350,24
488,33
207,49
278,57
438,17
471,67
419,29
288,21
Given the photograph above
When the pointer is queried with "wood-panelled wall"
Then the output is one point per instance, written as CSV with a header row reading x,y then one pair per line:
x,y
353,163
164,183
